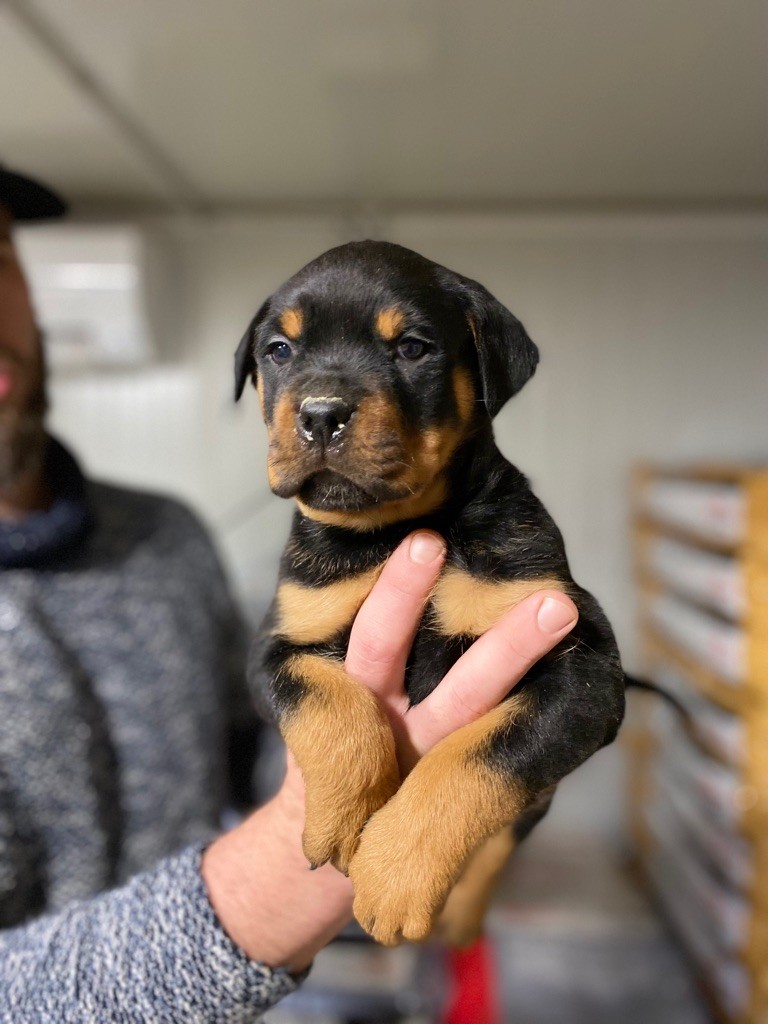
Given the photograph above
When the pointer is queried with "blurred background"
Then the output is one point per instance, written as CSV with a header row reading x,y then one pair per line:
x,y
602,167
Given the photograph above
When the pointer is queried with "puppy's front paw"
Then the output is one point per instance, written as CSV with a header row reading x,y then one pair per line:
x,y
398,884
335,820
342,742
415,848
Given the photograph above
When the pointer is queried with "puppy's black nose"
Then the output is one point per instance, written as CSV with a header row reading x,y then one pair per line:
x,y
323,419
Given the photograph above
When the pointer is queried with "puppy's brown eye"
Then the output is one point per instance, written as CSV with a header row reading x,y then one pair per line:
x,y
412,348
280,352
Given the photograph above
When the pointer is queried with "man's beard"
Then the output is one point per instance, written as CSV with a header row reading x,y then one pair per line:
x,y
22,434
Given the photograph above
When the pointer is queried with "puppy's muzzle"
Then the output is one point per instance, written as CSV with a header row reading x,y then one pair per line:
x,y
322,420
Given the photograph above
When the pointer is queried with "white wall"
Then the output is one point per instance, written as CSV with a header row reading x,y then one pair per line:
x,y
653,334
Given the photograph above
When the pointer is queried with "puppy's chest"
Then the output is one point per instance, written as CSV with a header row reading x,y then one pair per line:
x,y
464,604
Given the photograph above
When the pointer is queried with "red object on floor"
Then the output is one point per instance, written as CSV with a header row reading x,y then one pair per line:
x,y
475,991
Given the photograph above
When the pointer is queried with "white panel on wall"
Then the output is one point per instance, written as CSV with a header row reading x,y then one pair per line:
x,y
174,427
140,428
88,287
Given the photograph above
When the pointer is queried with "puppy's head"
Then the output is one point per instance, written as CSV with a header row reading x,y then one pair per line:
x,y
373,364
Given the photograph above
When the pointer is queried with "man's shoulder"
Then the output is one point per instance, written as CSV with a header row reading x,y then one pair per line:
x,y
136,515
114,497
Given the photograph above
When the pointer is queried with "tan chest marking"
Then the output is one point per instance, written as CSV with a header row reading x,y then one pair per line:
x,y
310,615
469,606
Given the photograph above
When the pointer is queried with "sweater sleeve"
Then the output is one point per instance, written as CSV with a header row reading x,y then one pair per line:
x,y
151,952
232,639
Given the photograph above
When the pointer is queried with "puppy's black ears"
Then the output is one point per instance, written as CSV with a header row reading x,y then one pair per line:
x,y
245,361
506,355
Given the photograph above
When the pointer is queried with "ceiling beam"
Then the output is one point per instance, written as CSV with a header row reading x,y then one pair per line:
x,y
373,211
183,196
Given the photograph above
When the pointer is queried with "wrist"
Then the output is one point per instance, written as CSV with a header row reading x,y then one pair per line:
x,y
259,883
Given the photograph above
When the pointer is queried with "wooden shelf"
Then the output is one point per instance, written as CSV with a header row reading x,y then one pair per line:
x,y
717,651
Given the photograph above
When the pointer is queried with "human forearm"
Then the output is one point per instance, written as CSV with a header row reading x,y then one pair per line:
x,y
259,883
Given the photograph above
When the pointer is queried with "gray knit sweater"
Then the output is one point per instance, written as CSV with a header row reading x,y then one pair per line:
x,y
120,685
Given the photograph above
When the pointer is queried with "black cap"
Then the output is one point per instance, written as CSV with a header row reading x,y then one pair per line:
x,y
28,199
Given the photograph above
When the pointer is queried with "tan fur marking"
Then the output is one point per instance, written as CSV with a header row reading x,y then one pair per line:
x,y
389,322
382,514
382,446
414,849
342,742
461,921
284,447
472,328
379,428
260,391
309,615
430,451
464,393
291,323
469,606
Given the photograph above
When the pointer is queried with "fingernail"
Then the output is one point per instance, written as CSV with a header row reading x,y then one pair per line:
x,y
553,615
425,548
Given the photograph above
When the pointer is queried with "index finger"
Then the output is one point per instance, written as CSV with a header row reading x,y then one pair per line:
x,y
385,626
485,674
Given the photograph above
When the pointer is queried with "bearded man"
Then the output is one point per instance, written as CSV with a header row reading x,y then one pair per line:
x,y
125,725
22,390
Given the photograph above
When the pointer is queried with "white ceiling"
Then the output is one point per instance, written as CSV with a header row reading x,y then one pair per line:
x,y
230,102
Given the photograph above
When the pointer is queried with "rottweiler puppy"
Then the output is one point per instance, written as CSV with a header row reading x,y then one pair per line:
x,y
379,373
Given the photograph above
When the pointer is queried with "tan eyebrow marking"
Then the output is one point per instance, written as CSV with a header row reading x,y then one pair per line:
x,y
291,323
389,322
464,392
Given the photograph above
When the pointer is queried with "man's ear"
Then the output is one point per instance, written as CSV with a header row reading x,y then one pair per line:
x,y
245,361
506,355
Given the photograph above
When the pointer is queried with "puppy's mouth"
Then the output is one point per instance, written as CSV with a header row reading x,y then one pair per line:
x,y
352,475
332,491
